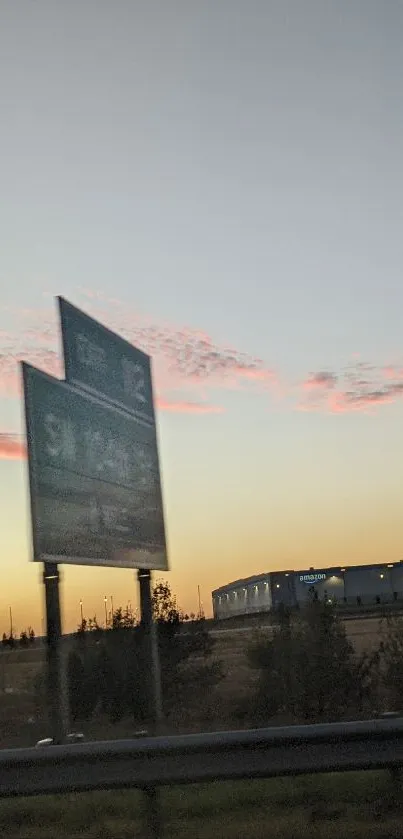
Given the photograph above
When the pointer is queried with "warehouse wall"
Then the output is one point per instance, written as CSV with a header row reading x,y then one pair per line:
x,y
243,597
367,584
329,588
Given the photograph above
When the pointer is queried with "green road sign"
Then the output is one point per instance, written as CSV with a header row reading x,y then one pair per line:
x,y
101,362
94,478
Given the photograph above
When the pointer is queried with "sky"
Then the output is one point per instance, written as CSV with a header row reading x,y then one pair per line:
x,y
220,182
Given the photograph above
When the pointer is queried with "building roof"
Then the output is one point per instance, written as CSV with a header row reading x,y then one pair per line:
x,y
258,578
248,581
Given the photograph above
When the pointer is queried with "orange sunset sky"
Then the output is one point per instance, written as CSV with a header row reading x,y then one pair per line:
x,y
220,183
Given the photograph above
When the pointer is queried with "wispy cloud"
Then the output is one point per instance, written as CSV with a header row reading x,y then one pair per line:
x,y
184,407
191,368
358,387
184,359
12,447
322,380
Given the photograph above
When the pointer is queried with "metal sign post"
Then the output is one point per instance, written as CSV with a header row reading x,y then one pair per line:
x,y
152,682
153,674
56,673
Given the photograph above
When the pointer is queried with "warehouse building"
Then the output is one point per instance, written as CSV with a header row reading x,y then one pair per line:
x,y
352,585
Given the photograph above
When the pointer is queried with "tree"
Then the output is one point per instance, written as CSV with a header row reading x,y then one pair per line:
x,y
308,670
390,657
185,651
107,671
164,605
92,625
27,637
123,619
82,626
83,678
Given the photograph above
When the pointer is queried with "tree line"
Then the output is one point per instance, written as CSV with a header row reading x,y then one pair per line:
x,y
26,638
302,668
305,669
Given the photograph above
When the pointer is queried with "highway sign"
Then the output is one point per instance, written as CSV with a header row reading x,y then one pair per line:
x,y
99,361
94,478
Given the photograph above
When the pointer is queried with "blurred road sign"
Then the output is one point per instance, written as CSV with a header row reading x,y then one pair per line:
x,y
101,362
94,478
94,474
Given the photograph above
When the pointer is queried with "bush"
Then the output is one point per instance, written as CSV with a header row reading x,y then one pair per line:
x,y
309,670
108,668
390,658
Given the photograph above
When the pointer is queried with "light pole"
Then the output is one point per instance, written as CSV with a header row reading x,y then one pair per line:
x,y
106,612
11,622
82,613
112,606
200,604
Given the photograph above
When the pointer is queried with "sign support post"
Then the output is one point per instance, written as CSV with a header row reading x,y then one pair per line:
x,y
56,684
153,674
152,681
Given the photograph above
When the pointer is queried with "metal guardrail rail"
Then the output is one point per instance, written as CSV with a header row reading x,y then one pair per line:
x,y
158,761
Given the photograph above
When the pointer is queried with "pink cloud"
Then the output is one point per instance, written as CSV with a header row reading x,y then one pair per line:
x,y
184,407
360,387
12,447
183,358
322,380
392,373
190,367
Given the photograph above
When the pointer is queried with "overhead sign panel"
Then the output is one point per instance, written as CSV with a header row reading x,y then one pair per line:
x,y
99,361
94,476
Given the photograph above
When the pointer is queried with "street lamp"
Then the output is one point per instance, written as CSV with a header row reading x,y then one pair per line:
x,y
106,611
82,613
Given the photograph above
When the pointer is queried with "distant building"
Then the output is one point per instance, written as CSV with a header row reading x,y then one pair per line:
x,y
354,585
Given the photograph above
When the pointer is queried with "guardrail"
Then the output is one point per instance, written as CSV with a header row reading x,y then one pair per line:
x,y
159,761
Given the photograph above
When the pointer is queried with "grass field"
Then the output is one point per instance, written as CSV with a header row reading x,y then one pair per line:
x,y
355,806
